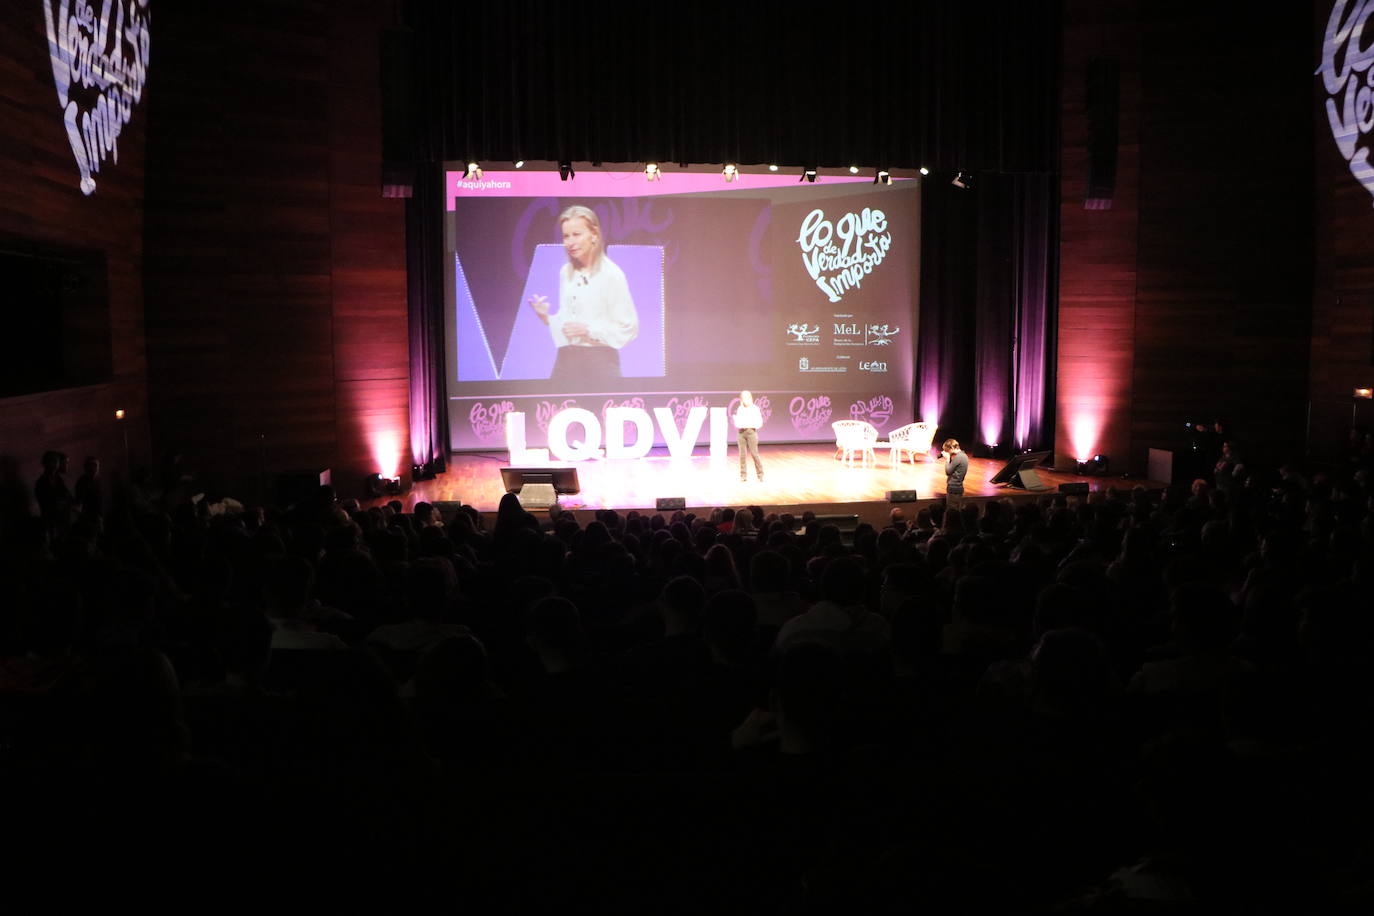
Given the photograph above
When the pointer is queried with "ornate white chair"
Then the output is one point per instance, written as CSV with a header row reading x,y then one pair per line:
x,y
909,441
855,438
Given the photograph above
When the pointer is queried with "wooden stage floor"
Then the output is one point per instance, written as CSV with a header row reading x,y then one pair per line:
x,y
796,477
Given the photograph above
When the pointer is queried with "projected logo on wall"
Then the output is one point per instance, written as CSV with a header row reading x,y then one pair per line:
x,y
1347,54
99,66
839,255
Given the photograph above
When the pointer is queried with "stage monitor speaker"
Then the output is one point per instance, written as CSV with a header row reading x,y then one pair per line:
x,y
670,503
1029,479
1103,106
300,484
902,496
563,480
1075,488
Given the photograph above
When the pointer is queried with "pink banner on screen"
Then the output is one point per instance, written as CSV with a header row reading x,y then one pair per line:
x,y
619,184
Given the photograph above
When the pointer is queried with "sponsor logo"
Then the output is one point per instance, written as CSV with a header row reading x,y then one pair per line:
x,y
877,410
803,334
99,67
872,366
839,255
1349,83
804,365
880,335
809,414
488,422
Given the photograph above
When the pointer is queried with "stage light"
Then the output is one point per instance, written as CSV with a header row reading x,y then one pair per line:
x,y
474,172
772,168
882,176
119,413
853,170
807,175
962,180
651,172
565,171
730,172
925,171
1364,393
519,163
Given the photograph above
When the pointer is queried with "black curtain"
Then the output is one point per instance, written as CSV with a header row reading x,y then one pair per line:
x,y
940,84
933,84
989,303
425,300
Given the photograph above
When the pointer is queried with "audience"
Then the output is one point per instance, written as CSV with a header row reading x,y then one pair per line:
x,y
1065,705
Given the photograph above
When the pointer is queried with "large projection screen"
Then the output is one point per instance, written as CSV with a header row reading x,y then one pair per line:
x,y
805,294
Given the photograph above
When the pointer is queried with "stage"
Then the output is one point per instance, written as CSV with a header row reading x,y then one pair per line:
x,y
796,477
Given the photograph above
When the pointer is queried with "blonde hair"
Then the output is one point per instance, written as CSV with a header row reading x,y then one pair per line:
x,y
577,211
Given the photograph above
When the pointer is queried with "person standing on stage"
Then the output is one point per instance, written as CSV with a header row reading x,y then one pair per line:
x,y
955,469
596,315
747,421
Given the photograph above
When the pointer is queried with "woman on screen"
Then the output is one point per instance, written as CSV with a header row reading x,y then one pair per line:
x,y
596,316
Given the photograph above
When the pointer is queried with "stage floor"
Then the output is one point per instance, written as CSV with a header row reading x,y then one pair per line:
x,y
795,477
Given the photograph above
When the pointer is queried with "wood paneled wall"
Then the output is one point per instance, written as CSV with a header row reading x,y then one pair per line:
x,y
41,200
276,299
1212,227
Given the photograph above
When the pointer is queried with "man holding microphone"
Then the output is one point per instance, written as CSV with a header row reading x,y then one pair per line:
x,y
955,469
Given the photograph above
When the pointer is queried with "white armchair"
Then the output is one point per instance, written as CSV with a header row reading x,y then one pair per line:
x,y
909,441
855,438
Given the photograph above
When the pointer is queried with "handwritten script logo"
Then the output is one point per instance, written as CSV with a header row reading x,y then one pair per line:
x,y
809,414
1345,71
761,402
682,406
838,256
875,410
99,66
545,410
488,422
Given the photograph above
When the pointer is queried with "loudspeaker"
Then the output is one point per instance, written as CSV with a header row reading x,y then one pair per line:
x,y
1103,104
298,485
397,77
901,496
1078,488
1029,479
670,503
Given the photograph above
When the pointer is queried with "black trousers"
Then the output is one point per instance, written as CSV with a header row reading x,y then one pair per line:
x,y
579,365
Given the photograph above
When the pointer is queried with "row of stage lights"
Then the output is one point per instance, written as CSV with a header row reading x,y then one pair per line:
x,y
730,173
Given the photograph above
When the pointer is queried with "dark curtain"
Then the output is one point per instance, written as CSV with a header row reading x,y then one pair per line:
x,y
940,84
934,84
989,301
425,299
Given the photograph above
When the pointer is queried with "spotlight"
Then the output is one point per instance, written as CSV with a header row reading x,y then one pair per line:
x,y
474,172
807,175
565,171
1098,466
651,172
772,168
1364,393
853,170
519,163
119,414
962,180
925,171
730,172
882,176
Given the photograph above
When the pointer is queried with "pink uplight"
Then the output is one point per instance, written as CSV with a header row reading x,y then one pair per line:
x,y
1084,434
385,446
